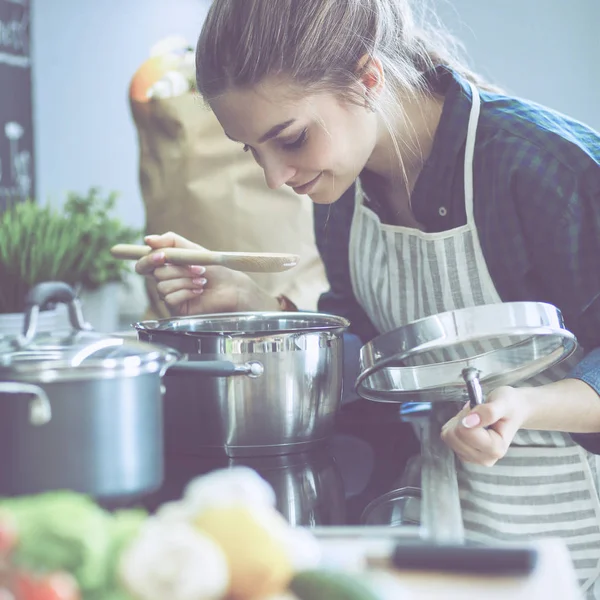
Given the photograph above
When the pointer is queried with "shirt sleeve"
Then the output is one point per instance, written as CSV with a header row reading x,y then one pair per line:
x,y
332,224
560,215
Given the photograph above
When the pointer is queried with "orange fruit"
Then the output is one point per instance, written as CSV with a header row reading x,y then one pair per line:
x,y
252,539
149,73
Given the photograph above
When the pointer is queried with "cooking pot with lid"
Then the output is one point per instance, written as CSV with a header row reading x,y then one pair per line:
x,y
81,410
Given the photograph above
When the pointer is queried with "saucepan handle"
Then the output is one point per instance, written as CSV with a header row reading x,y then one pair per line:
x,y
217,368
40,411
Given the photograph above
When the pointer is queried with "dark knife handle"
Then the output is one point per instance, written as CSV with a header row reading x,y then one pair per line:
x,y
477,560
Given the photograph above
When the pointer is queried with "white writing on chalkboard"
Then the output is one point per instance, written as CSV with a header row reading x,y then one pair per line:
x,y
19,170
14,35
14,61
17,180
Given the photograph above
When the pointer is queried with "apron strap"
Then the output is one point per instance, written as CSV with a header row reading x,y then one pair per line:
x,y
469,152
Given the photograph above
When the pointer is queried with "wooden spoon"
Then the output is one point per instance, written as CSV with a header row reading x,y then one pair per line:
x,y
251,262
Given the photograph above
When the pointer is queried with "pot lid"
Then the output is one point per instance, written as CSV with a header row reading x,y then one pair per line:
x,y
73,353
247,324
464,354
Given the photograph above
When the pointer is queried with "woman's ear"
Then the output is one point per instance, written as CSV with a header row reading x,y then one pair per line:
x,y
371,77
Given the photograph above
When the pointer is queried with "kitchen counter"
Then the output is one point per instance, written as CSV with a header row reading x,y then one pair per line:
x,y
553,577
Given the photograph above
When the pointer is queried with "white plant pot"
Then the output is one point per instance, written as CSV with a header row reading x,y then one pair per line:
x,y
101,307
11,324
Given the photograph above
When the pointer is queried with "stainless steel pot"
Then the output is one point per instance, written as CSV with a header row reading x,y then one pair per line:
x,y
290,407
81,410
401,506
308,486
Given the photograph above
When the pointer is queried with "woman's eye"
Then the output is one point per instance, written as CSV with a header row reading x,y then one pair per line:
x,y
297,142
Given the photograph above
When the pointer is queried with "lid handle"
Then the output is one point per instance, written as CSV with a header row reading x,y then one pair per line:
x,y
471,377
43,294
49,292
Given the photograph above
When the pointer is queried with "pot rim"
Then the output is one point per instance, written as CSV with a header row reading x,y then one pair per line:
x,y
47,365
330,323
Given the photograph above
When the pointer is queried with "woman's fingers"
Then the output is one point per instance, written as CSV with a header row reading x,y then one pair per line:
x,y
170,240
166,272
171,286
149,263
181,296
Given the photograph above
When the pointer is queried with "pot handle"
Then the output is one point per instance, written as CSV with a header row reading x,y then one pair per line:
x,y
40,411
217,368
45,293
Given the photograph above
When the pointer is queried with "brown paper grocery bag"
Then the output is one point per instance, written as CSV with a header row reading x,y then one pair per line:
x,y
198,183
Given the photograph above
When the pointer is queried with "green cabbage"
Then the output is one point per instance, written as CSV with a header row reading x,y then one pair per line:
x,y
67,531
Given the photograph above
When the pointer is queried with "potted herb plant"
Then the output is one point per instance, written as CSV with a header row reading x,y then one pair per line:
x,y
100,280
71,244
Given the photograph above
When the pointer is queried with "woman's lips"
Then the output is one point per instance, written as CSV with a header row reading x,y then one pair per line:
x,y
306,188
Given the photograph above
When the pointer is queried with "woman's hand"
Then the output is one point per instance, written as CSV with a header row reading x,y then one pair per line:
x,y
198,289
483,434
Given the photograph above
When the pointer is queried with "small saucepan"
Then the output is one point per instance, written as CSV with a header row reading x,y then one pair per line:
x,y
83,411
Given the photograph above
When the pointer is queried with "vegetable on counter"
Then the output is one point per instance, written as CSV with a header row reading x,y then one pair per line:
x,y
52,586
223,540
321,584
65,532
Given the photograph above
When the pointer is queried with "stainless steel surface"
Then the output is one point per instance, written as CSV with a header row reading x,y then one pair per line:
x,y
219,368
289,408
396,508
99,400
424,360
81,356
308,486
449,358
401,506
441,517
75,354
366,534
104,439
40,410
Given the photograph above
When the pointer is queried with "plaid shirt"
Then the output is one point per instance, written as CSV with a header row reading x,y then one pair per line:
x,y
537,212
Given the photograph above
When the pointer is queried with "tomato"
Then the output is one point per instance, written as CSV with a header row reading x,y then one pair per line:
x,y
8,534
54,586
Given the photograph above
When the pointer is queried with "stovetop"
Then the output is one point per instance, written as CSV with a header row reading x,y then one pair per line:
x,y
328,486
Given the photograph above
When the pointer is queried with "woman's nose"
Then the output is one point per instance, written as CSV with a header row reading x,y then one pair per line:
x,y
277,172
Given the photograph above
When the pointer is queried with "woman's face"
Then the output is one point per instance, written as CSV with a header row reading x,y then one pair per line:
x,y
315,144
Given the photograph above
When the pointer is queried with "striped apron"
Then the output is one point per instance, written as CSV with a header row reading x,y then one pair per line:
x,y
546,485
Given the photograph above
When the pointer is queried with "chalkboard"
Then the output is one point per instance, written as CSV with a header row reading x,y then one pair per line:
x,y
16,120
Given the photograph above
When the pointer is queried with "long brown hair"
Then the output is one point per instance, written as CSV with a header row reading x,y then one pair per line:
x,y
319,44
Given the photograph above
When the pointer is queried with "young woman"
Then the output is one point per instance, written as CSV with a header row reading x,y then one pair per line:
x,y
434,192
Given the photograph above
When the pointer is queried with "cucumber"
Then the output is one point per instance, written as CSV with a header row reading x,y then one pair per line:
x,y
326,584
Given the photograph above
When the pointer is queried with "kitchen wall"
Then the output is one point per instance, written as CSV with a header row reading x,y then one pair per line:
x,y
544,50
84,54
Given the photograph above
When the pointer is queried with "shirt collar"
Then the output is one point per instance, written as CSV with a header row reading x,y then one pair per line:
x,y
432,186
